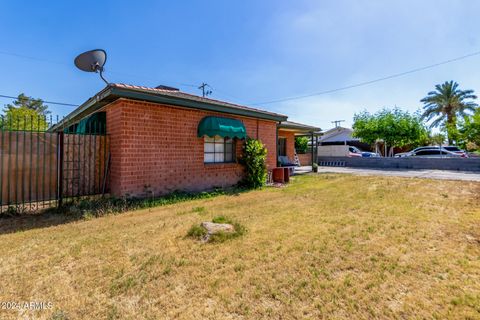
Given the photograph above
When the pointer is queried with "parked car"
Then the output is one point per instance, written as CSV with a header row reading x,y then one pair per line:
x,y
355,152
456,149
409,153
433,152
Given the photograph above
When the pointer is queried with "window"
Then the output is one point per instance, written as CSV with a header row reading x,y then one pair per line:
x,y
429,153
282,146
453,149
218,150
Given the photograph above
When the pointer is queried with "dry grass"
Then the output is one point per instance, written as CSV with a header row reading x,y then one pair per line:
x,y
327,246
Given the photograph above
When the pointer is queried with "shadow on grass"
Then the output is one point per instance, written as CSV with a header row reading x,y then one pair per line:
x,y
83,209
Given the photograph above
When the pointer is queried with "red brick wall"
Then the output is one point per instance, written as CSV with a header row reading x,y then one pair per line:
x,y
305,159
157,146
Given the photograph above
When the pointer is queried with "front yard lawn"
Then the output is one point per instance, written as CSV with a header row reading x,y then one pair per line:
x,y
326,246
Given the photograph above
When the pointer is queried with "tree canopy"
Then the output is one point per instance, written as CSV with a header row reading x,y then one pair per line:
x,y
301,144
25,113
23,101
469,131
395,127
445,104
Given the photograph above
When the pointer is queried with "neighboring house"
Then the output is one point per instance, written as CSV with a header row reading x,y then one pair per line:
x,y
165,140
341,135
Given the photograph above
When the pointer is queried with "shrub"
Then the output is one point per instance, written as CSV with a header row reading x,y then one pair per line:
x,y
223,236
471,146
221,219
301,144
254,159
97,207
197,231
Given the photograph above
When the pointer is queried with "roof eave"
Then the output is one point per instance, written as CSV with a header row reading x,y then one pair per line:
x,y
88,107
181,102
298,128
111,93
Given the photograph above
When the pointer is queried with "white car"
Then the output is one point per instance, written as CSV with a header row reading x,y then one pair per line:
x,y
429,152
457,150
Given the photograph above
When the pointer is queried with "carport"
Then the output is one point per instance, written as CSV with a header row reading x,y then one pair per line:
x,y
287,131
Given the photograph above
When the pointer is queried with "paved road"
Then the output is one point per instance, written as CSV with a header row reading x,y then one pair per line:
x,y
430,174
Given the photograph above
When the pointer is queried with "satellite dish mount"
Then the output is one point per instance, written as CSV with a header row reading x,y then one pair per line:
x,y
92,61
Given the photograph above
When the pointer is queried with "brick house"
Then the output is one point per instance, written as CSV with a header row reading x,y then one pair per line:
x,y
165,140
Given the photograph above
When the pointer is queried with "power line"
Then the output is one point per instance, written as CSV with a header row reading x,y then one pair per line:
x,y
396,75
47,102
231,96
13,54
337,122
30,57
205,91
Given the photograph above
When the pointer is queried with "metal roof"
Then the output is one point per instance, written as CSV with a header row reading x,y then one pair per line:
x,y
290,125
338,134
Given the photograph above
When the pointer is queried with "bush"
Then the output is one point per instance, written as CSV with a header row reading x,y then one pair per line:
x,y
301,144
221,219
471,146
197,232
97,207
254,159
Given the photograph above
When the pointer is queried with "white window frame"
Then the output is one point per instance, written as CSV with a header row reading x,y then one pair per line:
x,y
219,150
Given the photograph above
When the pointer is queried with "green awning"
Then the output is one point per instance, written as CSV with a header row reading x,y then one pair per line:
x,y
223,127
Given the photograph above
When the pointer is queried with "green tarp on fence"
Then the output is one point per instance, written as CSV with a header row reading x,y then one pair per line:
x,y
93,124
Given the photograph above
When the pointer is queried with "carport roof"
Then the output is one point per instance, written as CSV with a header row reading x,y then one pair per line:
x,y
297,127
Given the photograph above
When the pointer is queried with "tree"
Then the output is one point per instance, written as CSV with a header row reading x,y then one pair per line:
x,y
469,131
437,139
445,104
395,127
301,144
29,103
25,114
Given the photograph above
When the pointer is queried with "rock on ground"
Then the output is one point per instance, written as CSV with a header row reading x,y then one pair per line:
x,y
213,228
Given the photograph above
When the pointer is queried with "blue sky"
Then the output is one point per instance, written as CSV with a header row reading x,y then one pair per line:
x,y
248,51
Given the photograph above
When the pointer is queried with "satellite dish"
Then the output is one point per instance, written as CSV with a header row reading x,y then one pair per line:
x,y
92,61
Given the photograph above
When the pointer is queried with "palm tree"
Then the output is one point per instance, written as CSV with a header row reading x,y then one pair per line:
x,y
445,104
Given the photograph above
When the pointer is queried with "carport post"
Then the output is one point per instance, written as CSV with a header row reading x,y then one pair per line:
x,y
313,148
276,144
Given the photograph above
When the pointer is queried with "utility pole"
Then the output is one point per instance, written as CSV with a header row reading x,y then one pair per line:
x,y
205,92
337,122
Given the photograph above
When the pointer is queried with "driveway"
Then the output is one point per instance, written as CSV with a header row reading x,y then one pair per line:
x,y
430,174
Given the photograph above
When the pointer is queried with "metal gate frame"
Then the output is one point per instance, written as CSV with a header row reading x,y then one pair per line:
x,y
29,163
